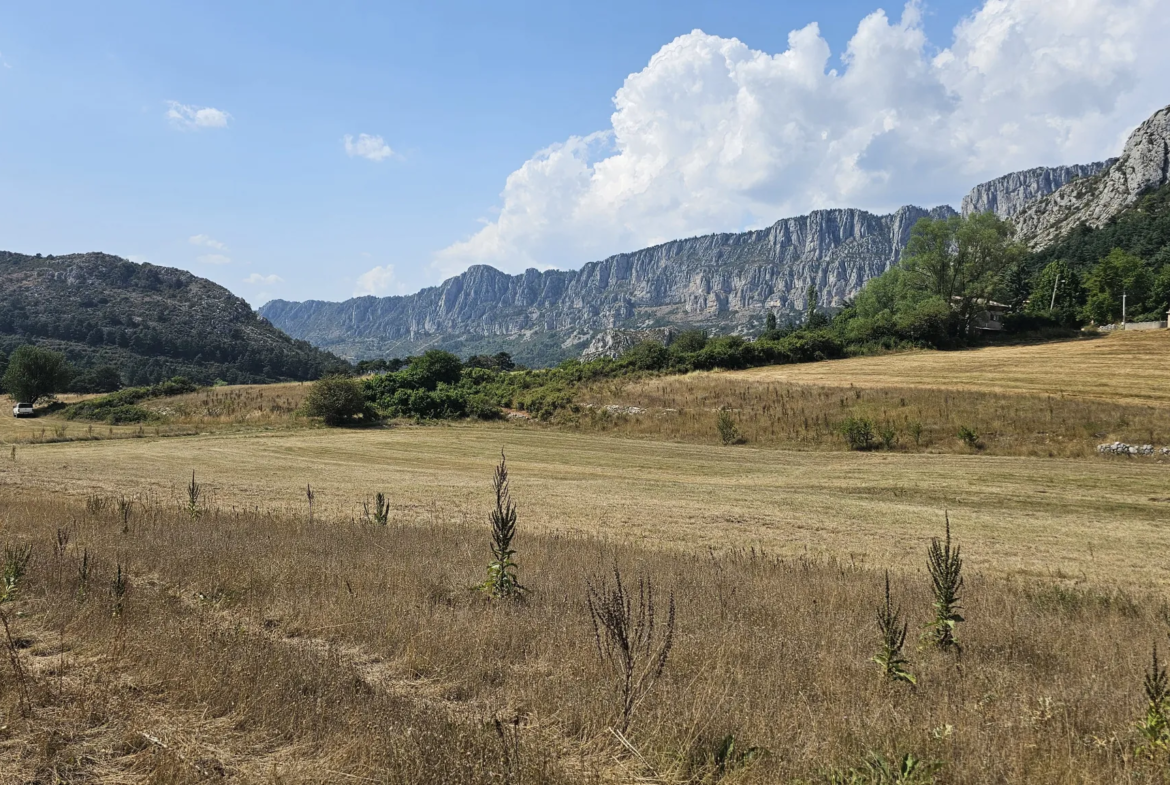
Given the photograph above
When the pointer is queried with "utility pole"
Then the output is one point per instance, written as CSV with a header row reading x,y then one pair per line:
x,y
1052,305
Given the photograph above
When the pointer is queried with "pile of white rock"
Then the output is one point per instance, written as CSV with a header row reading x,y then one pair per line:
x,y
1121,448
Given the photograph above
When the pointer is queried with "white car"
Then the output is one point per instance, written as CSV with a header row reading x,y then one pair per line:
x,y
22,410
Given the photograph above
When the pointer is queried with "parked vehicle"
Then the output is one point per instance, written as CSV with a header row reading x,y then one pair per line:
x,y
22,410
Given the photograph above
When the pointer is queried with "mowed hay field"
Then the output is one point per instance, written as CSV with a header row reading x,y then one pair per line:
x,y
148,643
1123,367
251,638
1049,400
1101,521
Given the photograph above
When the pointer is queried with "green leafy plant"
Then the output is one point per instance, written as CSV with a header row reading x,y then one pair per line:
x,y
728,430
945,564
501,582
893,632
876,769
915,431
969,437
1155,726
858,433
629,638
716,759
889,436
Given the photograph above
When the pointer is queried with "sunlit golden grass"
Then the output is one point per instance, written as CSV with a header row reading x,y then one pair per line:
x,y
771,413
1123,367
1050,400
1093,520
259,647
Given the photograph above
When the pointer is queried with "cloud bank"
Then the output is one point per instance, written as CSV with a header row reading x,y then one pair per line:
x,y
714,136
372,148
193,118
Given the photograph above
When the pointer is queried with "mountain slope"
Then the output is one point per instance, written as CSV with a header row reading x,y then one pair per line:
x,y
1144,165
149,322
1005,196
723,281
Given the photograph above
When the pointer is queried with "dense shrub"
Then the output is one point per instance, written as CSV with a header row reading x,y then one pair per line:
x,y
337,400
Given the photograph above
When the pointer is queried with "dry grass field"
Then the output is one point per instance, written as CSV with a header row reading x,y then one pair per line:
x,y
1048,400
258,639
1125,367
1071,519
247,646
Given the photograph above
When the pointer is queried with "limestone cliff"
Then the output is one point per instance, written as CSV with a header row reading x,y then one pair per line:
x,y
723,281
1005,196
1144,164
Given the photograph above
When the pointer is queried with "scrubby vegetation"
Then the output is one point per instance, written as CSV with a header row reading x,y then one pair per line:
x,y
123,406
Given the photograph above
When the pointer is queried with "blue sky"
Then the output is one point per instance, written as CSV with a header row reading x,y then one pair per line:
x,y
212,136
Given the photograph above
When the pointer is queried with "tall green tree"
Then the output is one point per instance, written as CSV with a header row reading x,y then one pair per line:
x,y
961,260
34,373
1118,276
1057,291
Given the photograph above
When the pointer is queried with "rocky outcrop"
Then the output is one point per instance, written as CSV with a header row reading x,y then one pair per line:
x,y
723,280
1144,164
1005,196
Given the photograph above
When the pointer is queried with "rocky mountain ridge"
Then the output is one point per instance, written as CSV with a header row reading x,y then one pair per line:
x,y
724,282
1005,196
720,281
1144,164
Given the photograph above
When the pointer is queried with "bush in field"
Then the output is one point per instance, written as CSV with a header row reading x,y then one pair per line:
x,y
728,430
337,400
34,373
858,433
968,436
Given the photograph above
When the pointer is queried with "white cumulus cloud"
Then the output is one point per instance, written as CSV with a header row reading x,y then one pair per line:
x,y
213,258
378,281
713,135
203,239
373,148
191,118
267,280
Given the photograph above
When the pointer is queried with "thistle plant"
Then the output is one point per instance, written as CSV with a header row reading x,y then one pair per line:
x,y
381,509
194,496
118,587
946,576
502,582
1155,726
893,631
125,507
310,496
630,639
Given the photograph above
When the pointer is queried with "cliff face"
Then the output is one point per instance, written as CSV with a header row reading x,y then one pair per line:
x,y
1005,196
1144,164
721,280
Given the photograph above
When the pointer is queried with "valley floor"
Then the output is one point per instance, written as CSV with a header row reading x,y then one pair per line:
x,y
1099,520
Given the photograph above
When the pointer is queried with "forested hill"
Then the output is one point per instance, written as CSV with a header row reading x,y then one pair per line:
x,y
148,322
